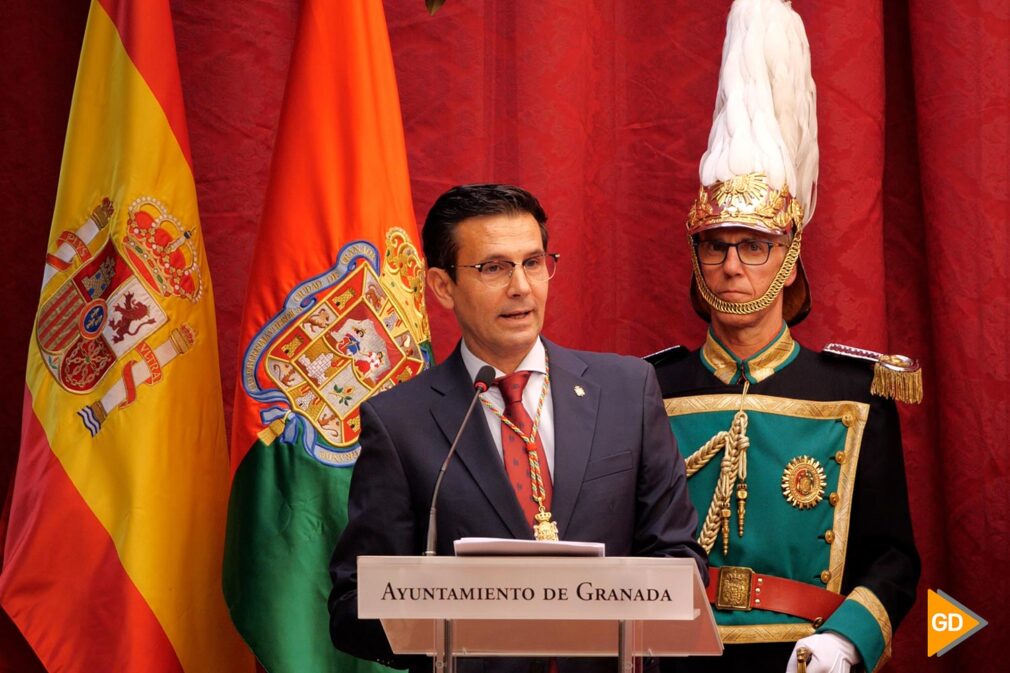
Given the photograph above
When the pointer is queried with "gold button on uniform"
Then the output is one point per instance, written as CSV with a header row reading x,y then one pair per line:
x,y
840,457
825,576
848,419
829,536
833,499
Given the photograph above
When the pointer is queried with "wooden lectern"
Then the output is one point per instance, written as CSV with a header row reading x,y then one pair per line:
x,y
448,607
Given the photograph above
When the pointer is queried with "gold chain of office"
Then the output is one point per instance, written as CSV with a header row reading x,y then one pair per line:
x,y
545,528
753,306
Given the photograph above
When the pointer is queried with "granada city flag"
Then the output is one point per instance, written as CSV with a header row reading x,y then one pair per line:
x,y
113,548
334,314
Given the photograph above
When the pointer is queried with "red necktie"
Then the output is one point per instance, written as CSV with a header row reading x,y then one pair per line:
x,y
514,452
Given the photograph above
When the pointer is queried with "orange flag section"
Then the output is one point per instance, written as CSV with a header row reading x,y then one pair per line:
x,y
334,314
339,173
949,623
117,521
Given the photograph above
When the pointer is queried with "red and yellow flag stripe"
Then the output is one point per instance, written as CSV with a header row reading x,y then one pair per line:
x,y
112,556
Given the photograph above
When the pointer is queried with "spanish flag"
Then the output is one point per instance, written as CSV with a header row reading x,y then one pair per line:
x,y
334,314
113,549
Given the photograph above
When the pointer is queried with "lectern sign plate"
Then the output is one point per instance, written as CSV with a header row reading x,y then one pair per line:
x,y
559,588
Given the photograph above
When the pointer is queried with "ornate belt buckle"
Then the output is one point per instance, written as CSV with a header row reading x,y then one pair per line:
x,y
734,588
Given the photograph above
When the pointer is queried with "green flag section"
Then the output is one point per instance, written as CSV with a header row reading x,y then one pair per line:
x,y
286,512
334,314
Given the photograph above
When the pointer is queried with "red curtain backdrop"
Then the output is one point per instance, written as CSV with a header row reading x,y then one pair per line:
x,y
602,109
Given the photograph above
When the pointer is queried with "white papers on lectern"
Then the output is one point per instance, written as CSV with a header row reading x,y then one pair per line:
x,y
496,546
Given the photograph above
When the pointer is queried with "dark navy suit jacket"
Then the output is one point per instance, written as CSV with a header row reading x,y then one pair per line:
x,y
618,479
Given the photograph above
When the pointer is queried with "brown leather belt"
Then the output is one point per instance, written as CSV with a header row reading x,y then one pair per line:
x,y
736,588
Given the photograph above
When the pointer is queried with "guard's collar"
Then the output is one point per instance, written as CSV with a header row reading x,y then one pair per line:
x,y
728,368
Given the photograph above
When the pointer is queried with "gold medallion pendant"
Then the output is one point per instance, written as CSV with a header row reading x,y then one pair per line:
x,y
545,529
803,482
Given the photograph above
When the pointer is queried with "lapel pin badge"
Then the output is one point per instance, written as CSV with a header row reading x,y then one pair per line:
x,y
580,391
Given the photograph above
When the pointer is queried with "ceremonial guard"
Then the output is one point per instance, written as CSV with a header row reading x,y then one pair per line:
x,y
794,457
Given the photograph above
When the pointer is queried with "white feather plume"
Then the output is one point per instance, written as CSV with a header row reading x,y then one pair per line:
x,y
765,116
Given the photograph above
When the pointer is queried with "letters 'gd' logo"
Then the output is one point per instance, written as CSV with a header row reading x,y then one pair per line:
x,y
950,623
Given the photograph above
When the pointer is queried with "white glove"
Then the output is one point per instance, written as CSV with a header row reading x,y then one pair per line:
x,y
831,654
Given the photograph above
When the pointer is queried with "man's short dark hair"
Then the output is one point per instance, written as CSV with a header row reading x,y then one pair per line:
x,y
466,201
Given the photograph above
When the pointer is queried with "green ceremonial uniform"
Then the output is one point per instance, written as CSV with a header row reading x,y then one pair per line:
x,y
824,494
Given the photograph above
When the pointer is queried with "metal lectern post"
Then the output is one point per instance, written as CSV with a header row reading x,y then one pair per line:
x,y
444,660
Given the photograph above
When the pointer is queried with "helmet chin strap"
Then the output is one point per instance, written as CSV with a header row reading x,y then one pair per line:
x,y
755,305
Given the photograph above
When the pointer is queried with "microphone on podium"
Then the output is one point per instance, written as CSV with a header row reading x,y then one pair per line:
x,y
485,377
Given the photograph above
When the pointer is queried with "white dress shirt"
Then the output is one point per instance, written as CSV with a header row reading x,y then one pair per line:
x,y
535,362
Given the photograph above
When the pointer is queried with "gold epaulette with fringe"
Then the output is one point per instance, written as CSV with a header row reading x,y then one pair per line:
x,y
897,377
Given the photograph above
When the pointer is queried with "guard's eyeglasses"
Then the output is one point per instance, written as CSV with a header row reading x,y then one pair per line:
x,y
750,251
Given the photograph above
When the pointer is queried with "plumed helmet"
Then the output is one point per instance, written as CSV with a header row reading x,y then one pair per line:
x,y
760,168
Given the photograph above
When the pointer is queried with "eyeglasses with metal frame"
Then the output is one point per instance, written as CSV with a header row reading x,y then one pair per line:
x,y
750,251
498,272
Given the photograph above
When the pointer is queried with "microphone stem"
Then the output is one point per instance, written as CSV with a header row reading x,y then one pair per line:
x,y
430,547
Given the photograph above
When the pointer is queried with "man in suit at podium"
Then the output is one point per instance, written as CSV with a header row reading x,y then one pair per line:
x,y
565,440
